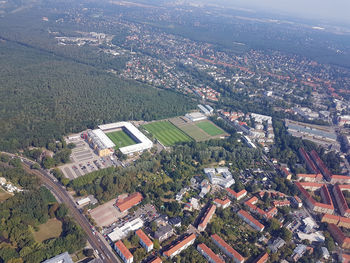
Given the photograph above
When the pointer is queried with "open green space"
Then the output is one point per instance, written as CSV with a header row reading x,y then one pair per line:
x,y
210,128
4,195
52,228
120,138
167,133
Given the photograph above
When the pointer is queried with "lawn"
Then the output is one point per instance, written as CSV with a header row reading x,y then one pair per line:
x,y
4,195
52,228
120,138
209,128
167,133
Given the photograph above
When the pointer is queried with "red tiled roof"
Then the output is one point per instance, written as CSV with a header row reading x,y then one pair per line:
x,y
228,248
263,258
210,253
344,220
253,200
337,234
145,239
122,248
205,219
329,216
157,260
344,186
222,202
297,199
346,258
236,195
179,245
128,202
251,219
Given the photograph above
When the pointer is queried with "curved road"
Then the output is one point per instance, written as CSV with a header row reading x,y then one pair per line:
x,y
97,243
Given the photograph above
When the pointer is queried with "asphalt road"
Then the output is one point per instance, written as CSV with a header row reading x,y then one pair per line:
x,y
97,243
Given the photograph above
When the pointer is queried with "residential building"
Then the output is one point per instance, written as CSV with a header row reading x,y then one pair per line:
x,y
237,196
298,252
220,176
227,249
144,240
277,244
339,236
222,203
156,260
123,252
340,199
263,259
163,233
246,217
180,246
209,254
206,218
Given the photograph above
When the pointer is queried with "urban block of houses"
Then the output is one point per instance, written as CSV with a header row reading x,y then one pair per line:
x,y
124,204
206,218
340,199
339,236
310,177
336,220
326,207
180,246
227,249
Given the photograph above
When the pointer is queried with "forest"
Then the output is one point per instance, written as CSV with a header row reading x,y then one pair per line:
x,y
23,213
46,96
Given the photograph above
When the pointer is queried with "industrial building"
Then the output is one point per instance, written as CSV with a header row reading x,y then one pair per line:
x,y
122,231
61,258
124,204
142,142
195,116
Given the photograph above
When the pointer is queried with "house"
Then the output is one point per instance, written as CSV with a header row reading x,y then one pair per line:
x,y
206,218
209,254
163,233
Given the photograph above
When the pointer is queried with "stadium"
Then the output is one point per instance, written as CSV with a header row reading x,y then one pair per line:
x,y
121,135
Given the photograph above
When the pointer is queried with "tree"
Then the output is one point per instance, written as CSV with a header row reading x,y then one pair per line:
x,y
88,252
62,211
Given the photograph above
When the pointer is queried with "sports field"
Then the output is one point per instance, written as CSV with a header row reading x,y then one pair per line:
x,y
209,128
120,138
167,133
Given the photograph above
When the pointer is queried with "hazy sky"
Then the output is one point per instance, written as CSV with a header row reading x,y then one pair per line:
x,y
336,10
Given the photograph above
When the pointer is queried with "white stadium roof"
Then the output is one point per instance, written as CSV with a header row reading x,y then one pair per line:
x,y
144,142
103,139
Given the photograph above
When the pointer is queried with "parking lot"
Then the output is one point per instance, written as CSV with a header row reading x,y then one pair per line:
x,y
83,159
106,214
